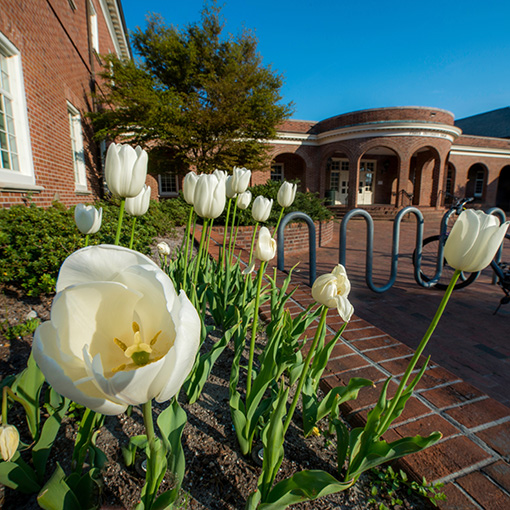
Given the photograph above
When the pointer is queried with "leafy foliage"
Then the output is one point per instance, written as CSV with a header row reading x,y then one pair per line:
x,y
193,97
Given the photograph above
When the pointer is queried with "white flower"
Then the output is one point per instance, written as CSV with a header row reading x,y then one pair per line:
x,y
261,208
163,249
474,241
188,186
9,441
220,174
209,198
241,179
119,334
243,200
88,218
229,190
139,205
287,194
266,246
332,289
125,170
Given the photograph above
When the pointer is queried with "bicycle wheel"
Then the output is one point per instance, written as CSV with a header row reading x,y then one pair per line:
x,y
429,263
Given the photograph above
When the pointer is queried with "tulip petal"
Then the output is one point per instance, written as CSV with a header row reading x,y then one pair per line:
x,y
461,238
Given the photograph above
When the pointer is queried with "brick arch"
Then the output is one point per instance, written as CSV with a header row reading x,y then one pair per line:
x,y
471,181
386,143
295,166
426,175
297,151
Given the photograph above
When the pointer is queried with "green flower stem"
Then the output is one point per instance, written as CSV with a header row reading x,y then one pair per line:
x,y
420,349
253,241
254,327
187,237
200,250
235,240
306,366
151,440
132,233
278,222
4,406
231,245
225,233
119,223
87,239
209,235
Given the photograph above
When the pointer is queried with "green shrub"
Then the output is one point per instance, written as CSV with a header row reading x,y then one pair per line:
x,y
35,241
308,203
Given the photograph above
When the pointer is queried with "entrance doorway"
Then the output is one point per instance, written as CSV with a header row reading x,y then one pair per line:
x,y
339,180
366,182
503,195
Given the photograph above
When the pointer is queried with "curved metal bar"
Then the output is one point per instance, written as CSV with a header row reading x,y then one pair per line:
x,y
312,254
496,211
394,249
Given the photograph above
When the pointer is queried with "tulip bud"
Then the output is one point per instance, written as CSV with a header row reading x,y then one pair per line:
x,y
266,246
125,170
241,179
287,194
188,186
243,200
261,208
139,205
9,441
163,249
332,289
209,198
88,218
474,240
229,190
220,174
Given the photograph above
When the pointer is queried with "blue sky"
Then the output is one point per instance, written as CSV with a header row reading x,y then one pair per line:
x,y
340,56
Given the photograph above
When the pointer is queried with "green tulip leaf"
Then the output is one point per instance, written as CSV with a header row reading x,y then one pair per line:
x,y
17,475
57,495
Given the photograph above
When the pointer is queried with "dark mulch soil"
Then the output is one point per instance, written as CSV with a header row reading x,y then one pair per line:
x,y
217,476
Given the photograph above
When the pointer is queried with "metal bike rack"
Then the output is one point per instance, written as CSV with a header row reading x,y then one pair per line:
x,y
496,211
312,254
394,248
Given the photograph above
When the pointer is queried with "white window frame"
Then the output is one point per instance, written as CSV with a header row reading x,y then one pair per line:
x,y
24,179
168,193
77,151
277,172
94,31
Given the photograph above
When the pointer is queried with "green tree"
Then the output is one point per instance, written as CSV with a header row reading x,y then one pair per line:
x,y
192,97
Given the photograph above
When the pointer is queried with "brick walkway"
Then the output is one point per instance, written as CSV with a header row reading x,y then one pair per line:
x,y
468,355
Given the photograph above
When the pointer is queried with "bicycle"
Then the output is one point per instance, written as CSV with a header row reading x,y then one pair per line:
x,y
432,249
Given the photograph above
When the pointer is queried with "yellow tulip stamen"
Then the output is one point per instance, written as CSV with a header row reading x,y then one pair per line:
x,y
139,352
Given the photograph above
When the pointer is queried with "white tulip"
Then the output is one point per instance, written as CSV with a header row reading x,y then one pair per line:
x,y
188,186
139,205
261,208
9,441
241,178
88,218
266,246
119,334
125,170
229,190
243,200
332,289
163,249
474,241
209,198
220,174
287,194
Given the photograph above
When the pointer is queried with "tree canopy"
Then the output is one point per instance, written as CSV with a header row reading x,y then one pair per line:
x,y
192,97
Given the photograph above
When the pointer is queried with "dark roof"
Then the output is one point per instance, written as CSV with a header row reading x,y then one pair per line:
x,y
495,123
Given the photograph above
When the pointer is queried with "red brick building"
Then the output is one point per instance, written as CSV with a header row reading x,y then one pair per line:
x,y
394,157
49,58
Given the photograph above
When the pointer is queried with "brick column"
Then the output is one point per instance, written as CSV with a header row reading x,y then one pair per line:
x,y
352,199
402,181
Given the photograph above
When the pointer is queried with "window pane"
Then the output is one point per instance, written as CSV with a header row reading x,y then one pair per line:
x,y
15,162
3,141
168,183
5,159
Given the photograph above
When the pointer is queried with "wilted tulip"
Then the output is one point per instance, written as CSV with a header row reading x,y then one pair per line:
x,y
125,170
241,179
229,190
163,249
287,194
474,241
188,186
261,208
119,334
332,289
209,199
266,246
139,205
88,218
9,441
243,200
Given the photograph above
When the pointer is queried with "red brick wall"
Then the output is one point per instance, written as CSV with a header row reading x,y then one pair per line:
x,y
57,67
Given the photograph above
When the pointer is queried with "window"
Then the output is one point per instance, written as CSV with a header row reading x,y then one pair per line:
x,y
16,167
480,175
94,34
168,184
277,172
80,174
